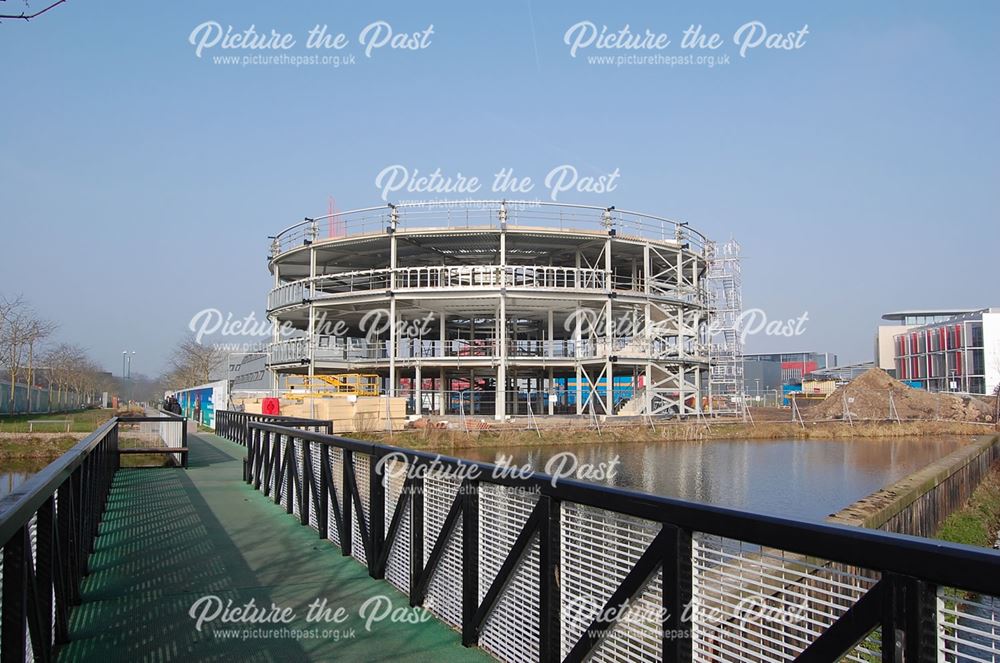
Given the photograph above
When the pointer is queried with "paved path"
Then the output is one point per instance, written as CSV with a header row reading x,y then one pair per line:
x,y
171,536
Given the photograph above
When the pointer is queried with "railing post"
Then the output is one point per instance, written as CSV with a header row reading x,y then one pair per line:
x,y
44,539
416,535
909,629
470,561
376,514
550,620
184,442
270,460
347,472
291,469
251,454
677,595
14,609
63,574
305,480
323,514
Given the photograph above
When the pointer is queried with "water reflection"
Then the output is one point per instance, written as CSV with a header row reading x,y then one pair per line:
x,y
15,472
796,478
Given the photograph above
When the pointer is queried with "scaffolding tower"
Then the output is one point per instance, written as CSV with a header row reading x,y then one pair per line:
x,y
725,342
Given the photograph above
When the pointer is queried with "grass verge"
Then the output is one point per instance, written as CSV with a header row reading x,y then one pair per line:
x,y
83,421
977,523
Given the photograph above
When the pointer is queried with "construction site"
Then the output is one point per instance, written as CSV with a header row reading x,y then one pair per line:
x,y
495,310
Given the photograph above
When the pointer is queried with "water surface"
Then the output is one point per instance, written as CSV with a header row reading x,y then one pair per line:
x,y
16,471
795,478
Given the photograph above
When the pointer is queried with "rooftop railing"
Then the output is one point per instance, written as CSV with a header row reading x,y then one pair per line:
x,y
484,214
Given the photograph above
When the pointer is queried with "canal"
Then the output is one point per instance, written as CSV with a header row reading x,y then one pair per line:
x,y
795,478
14,472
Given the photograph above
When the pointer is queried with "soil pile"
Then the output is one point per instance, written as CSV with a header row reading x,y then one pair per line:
x,y
867,397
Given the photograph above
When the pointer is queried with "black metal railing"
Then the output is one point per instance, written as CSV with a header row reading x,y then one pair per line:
x,y
298,470
172,431
47,529
232,425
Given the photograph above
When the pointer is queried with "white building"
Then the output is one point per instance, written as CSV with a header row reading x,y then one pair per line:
x,y
958,353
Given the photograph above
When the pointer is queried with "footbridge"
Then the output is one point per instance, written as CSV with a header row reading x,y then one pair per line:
x,y
279,541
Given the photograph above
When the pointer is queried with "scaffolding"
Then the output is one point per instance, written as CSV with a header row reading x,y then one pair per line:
x,y
725,341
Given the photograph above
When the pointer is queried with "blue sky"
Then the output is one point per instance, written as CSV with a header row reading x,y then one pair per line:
x,y
140,181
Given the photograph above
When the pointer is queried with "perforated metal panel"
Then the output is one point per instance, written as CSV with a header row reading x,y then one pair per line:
x,y
511,631
397,570
336,462
297,449
754,604
282,480
444,595
599,548
313,478
362,463
968,626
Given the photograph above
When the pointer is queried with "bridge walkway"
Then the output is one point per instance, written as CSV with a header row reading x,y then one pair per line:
x,y
170,537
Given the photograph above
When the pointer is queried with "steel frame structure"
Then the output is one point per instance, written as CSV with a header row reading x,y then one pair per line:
x,y
488,304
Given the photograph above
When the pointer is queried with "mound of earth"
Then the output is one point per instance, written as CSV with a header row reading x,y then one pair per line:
x,y
867,397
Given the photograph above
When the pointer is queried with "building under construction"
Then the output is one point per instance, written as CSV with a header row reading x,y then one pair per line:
x,y
495,309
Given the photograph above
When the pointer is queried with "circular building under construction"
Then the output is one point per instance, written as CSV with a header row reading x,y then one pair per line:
x,y
496,308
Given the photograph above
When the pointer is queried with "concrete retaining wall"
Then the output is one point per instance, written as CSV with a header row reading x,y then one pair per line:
x,y
919,503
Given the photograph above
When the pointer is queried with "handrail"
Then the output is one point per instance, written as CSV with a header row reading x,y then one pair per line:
x,y
960,566
47,528
644,223
233,425
18,506
541,277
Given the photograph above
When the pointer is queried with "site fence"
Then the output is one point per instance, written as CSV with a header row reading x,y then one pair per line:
x,y
529,568
38,400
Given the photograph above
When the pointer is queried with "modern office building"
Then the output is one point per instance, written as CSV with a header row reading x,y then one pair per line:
x,y
902,321
958,353
761,377
792,365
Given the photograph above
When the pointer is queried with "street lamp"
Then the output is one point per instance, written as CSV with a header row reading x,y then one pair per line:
x,y
127,371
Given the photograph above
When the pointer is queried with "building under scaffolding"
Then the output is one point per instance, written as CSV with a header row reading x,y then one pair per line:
x,y
725,337
500,308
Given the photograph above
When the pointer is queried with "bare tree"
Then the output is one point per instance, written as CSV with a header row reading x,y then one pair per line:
x,y
36,332
68,365
27,17
14,325
21,334
193,363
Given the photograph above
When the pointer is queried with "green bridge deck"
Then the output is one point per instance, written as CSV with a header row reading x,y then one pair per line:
x,y
170,536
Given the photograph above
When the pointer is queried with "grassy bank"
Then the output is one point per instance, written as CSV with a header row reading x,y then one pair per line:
x,y
83,421
445,440
35,447
977,523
